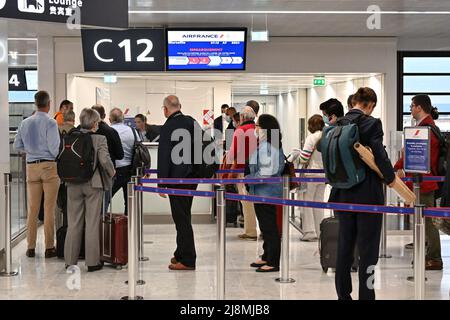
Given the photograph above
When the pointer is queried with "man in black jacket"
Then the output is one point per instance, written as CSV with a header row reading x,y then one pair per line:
x,y
362,229
112,137
180,128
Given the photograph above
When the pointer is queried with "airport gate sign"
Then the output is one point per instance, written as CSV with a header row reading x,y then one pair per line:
x,y
417,149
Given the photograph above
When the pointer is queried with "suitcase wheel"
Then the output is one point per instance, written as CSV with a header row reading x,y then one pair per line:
x,y
325,269
118,267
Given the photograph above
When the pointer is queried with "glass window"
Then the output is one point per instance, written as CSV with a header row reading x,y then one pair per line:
x,y
426,84
427,65
440,102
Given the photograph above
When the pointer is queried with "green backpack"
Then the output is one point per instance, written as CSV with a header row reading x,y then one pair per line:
x,y
342,164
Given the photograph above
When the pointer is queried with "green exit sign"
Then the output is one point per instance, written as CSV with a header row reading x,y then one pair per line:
x,y
319,82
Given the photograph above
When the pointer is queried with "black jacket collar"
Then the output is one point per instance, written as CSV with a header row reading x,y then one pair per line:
x,y
248,122
173,115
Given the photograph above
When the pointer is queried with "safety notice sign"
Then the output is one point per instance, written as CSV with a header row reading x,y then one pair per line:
x,y
417,150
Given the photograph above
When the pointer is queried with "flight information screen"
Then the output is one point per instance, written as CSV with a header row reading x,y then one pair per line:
x,y
206,49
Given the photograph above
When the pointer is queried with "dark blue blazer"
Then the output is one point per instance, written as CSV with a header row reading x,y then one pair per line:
x,y
370,191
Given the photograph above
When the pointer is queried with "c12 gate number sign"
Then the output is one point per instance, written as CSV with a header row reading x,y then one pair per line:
x,y
101,13
417,150
129,50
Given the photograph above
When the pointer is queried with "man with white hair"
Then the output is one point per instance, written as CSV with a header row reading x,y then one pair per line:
x,y
124,166
243,145
175,166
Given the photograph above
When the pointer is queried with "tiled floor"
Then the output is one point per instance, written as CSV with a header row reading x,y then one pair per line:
x,y
47,279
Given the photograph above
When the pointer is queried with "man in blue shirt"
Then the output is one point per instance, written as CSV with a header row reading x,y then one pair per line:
x,y
124,167
38,137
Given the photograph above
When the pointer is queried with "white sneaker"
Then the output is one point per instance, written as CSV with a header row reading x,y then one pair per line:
x,y
309,237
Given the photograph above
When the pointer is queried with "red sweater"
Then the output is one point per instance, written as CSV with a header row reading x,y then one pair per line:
x,y
426,187
243,145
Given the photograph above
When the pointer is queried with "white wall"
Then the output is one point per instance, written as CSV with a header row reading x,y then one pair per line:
x,y
268,104
142,96
342,90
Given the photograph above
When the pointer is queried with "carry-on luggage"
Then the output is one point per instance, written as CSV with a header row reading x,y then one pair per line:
x,y
328,244
61,223
113,238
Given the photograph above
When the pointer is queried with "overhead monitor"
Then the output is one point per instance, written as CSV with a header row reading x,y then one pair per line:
x,y
206,49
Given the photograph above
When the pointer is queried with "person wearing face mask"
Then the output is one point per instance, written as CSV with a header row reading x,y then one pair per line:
x,y
423,113
332,110
358,228
85,199
267,161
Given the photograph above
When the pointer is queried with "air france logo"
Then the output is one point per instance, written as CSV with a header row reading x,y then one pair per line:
x,y
31,6
2,4
202,36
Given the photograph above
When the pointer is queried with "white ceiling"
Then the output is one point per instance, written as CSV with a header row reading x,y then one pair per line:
x,y
298,24
242,84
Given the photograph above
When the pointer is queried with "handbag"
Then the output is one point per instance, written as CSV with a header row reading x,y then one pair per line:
x,y
289,170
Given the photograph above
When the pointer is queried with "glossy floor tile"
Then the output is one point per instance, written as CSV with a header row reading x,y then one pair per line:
x,y
47,279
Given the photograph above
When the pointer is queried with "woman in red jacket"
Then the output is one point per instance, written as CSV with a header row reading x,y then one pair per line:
x,y
422,111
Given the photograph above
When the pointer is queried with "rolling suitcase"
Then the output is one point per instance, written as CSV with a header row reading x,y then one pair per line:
x,y
328,244
114,238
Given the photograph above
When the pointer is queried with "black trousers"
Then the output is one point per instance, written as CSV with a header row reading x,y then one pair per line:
x,y
123,176
267,218
181,214
363,230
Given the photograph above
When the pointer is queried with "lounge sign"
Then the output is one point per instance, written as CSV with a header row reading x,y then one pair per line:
x,y
83,12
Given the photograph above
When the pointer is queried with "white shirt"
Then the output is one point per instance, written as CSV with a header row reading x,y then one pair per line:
x,y
309,154
127,138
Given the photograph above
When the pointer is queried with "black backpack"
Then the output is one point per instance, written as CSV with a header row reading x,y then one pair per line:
x,y
141,155
209,165
75,161
442,160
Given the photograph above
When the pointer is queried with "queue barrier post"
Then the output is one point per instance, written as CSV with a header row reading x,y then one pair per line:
x,y
132,242
383,246
140,195
221,245
419,252
284,271
8,272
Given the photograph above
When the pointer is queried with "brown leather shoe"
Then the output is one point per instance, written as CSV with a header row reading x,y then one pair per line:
x,y
433,265
50,253
180,267
30,253
173,261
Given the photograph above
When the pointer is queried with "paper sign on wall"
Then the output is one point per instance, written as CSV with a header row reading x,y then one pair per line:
x,y
208,117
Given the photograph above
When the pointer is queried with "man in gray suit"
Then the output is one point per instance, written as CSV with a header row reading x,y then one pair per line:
x,y
85,199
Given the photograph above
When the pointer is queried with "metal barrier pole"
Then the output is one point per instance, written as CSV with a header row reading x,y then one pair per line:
x,y
419,252
383,245
132,243
221,245
9,272
140,195
284,272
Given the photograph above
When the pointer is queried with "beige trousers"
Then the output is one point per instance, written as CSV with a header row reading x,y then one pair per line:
x,y
42,178
249,213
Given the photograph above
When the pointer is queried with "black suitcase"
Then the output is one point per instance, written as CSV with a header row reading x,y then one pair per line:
x,y
328,244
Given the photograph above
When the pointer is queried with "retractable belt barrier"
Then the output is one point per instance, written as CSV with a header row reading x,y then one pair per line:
x,y
442,212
